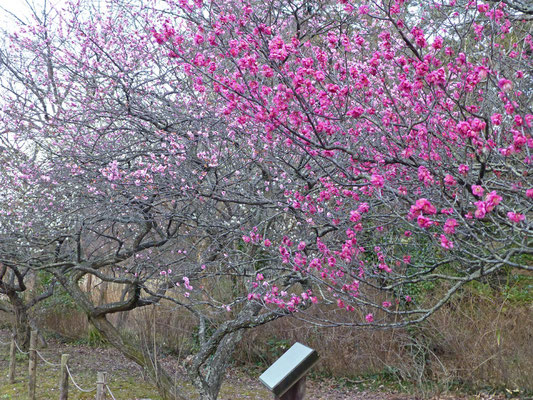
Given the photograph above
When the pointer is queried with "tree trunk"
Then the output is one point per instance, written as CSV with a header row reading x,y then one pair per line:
x,y
22,321
209,365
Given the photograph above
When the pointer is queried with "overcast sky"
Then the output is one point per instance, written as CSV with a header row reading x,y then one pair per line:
x,y
21,9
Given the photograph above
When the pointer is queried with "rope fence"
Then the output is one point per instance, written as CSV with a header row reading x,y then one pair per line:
x,y
19,349
76,384
65,375
110,392
46,361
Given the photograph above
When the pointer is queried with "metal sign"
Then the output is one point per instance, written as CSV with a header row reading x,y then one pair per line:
x,y
289,369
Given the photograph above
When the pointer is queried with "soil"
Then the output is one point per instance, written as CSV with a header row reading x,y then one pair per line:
x,y
239,384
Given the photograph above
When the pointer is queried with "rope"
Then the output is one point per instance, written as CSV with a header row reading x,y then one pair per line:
x,y
46,361
110,392
19,349
75,384
4,344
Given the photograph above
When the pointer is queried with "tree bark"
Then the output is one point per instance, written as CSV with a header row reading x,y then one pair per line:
x,y
22,321
209,365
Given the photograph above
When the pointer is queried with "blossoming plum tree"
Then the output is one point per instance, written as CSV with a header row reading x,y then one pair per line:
x,y
334,152
398,148
115,178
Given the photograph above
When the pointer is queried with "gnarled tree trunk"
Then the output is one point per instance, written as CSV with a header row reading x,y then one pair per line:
x,y
22,321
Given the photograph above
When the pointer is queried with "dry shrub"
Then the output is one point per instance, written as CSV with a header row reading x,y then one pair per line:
x,y
344,351
6,320
474,341
480,338
484,340
67,322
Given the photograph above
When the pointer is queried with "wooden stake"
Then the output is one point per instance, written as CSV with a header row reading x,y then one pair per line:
x,y
12,360
100,385
63,378
32,366
296,392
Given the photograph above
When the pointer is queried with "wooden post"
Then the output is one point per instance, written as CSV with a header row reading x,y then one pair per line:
x,y
296,392
100,385
32,366
63,378
12,360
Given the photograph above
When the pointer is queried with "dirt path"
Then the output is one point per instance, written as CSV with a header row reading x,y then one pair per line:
x,y
127,381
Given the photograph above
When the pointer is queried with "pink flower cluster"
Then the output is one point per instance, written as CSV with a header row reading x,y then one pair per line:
x,y
492,199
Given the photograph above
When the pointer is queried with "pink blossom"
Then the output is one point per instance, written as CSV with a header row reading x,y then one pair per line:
x,y
198,39
278,49
423,222
363,10
369,318
356,112
505,84
363,208
492,199
496,119
377,180
437,43
450,225
450,180
445,243
483,8
425,206
481,209
477,190
354,216
515,217
463,169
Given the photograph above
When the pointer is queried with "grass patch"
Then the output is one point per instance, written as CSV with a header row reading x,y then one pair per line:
x,y
123,387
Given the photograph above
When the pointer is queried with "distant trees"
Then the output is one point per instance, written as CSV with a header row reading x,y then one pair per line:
x,y
243,161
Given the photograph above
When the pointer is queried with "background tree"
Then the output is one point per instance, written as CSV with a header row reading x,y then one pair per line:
x,y
125,186
245,161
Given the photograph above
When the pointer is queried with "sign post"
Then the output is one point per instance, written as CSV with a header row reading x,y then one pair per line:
x,y
286,377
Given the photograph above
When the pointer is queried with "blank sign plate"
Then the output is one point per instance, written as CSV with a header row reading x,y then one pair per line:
x,y
289,368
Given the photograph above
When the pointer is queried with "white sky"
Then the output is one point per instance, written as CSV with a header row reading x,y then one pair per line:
x,y
21,9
